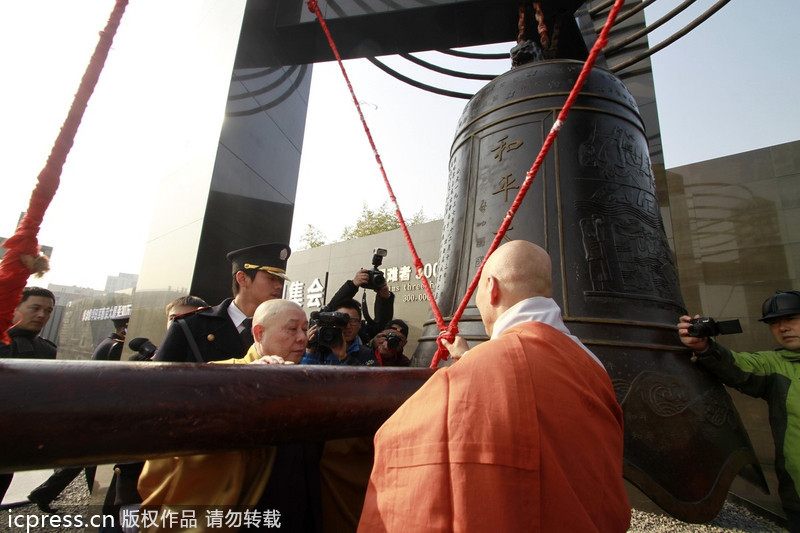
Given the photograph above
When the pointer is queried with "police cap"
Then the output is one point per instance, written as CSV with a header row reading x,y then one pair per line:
x,y
120,321
270,258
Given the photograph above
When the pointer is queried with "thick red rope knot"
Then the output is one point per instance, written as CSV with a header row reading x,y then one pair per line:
x,y
448,334
442,353
313,6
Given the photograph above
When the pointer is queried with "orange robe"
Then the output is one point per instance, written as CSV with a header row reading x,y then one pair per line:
x,y
522,434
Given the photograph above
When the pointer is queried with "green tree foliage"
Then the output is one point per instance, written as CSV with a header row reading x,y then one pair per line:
x,y
312,237
372,221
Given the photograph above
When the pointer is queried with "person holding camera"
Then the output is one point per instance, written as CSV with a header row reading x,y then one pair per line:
x,y
389,344
384,298
333,338
772,375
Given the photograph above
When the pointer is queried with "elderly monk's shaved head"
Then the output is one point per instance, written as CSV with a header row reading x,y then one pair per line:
x,y
522,267
515,271
279,328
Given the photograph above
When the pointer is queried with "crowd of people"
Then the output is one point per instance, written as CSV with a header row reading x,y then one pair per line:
x,y
522,433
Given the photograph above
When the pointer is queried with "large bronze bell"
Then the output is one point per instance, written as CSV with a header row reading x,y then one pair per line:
x,y
594,208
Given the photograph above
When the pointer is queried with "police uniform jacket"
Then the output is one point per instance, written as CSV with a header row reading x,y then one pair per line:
x,y
213,332
27,344
109,349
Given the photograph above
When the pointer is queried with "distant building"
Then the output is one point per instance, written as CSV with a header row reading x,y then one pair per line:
x,y
69,293
121,282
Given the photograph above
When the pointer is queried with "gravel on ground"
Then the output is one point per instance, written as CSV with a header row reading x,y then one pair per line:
x,y
75,501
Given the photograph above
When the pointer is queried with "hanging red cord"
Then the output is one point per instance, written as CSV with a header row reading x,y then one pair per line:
x,y
602,40
450,331
23,246
437,315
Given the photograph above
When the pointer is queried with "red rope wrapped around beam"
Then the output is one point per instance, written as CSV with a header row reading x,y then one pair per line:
x,y
602,40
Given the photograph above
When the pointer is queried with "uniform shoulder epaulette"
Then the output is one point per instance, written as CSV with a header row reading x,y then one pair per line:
x,y
190,313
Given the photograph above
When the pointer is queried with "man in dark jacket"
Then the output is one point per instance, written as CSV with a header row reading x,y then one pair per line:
x,y
384,303
224,331
110,348
389,344
30,317
350,351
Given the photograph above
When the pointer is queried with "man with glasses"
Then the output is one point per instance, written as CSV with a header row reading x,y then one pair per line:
x,y
349,352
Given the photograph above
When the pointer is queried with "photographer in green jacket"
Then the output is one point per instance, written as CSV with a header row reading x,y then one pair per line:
x,y
772,375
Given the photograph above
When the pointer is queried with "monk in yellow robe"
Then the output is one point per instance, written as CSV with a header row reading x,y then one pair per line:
x,y
523,433
238,478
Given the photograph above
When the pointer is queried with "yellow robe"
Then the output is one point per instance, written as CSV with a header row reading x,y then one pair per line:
x,y
234,478
522,434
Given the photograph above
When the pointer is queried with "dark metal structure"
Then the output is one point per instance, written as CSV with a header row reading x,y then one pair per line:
x,y
595,209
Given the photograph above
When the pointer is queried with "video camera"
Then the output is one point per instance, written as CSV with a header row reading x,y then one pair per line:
x,y
708,327
376,277
329,327
144,347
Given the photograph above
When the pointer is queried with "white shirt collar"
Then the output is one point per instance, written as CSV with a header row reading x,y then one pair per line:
x,y
537,309
237,316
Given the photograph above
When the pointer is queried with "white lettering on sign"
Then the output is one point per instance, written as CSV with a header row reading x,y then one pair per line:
x,y
295,292
314,295
105,313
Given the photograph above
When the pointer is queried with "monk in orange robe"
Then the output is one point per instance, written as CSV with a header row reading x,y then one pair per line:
x,y
523,433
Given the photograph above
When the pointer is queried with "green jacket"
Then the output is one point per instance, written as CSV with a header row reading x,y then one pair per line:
x,y
775,377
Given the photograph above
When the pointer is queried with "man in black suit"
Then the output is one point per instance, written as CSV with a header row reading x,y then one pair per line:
x,y
30,317
224,331
110,348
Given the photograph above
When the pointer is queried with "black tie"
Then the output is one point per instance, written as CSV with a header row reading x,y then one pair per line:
x,y
247,333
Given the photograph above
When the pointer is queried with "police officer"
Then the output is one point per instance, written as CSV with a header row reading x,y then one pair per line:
x,y
773,375
224,331
110,348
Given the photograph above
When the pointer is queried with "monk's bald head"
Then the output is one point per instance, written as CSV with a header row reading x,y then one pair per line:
x,y
271,309
523,267
516,271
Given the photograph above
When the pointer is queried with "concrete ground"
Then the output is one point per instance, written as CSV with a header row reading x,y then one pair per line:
x,y
24,482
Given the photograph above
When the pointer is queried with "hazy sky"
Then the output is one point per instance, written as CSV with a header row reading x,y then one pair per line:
x,y
729,86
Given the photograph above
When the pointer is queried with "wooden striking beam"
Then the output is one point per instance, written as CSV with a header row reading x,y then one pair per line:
x,y
61,413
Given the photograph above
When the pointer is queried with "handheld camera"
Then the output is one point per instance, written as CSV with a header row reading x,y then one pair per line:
x,y
329,327
708,327
376,277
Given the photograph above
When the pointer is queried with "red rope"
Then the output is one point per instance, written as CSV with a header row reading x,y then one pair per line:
x,y
450,331
601,41
437,314
13,274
